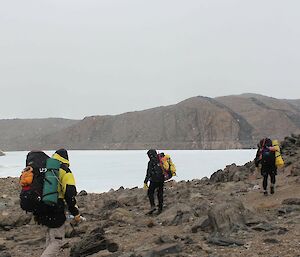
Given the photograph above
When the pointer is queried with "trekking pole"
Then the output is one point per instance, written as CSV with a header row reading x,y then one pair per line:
x,y
74,230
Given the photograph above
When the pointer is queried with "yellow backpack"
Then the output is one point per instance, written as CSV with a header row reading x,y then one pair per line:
x,y
279,162
167,166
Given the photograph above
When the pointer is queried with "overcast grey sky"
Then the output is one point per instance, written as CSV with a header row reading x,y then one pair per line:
x,y
71,58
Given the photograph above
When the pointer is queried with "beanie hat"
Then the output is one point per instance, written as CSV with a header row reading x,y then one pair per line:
x,y
152,153
62,156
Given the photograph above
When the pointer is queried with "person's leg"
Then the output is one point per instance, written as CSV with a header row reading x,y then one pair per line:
x,y
56,237
160,196
47,237
273,180
151,190
265,183
265,175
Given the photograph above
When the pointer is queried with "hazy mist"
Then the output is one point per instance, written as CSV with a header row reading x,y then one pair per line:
x,y
63,58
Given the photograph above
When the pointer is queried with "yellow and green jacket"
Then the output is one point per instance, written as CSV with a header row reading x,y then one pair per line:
x,y
67,189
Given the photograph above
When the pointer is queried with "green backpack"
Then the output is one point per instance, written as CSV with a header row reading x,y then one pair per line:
x,y
51,182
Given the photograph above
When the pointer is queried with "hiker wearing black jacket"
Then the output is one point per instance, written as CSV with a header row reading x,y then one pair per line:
x,y
156,178
54,218
265,157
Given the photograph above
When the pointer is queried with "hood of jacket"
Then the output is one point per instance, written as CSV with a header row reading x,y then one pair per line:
x,y
62,156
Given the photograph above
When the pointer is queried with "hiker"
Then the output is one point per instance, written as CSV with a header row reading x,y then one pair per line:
x,y
55,219
156,178
265,158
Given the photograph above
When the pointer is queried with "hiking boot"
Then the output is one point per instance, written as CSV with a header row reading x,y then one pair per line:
x,y
159,211
265,192
272,190
152,209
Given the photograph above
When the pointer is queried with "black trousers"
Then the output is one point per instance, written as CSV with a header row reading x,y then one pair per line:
x,y
159,186
266,174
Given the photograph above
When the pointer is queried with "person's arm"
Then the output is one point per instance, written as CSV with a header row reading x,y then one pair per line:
x,y
148,173
70,199
70,193
272,148
257,157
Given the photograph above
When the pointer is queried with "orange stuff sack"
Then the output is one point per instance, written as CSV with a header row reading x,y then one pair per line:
x,y
168,167
26,177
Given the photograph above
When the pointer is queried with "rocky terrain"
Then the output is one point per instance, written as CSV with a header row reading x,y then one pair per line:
x,y
226,215
2,153
196,123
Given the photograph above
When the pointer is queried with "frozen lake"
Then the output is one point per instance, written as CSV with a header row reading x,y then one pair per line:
x,y
99,171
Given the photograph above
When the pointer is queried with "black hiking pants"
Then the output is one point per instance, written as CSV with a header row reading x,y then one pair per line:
x,y
266,174
159,186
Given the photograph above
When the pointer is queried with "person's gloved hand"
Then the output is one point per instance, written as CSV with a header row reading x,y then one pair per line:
x,y
145,186
76,220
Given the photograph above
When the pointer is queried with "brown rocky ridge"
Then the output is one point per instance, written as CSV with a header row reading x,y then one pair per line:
x,y
227,122
226,215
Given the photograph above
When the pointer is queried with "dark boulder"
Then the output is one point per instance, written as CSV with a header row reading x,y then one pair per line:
x,y
291,201
82,193
14,218
163,250
224,241
5,254
228,216
93,243
232,173
295,171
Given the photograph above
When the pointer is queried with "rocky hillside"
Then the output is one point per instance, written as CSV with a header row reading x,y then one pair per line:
x,y
266,115
294,102
226,215
25,134
196,123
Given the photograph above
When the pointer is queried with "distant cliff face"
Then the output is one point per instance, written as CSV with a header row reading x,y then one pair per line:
x,y
196,123
268,116
25,134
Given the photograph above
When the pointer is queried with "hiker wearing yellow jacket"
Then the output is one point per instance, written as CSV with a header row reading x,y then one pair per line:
x,y
67,189
54,218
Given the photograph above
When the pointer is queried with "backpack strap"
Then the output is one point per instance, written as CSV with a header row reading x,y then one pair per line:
x,y
263,144
65,168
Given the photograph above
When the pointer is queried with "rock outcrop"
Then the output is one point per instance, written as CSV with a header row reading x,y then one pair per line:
x,y
91,243
2,153
233,173
227,216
